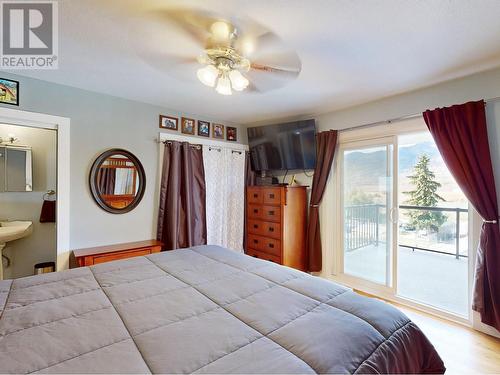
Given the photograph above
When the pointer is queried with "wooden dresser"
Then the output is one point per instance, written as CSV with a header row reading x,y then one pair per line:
x,y
101,254
276,224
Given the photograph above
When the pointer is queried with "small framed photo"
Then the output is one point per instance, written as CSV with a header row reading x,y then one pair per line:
x,y
168,122
218,131
231,134
9,91
187,125
203,128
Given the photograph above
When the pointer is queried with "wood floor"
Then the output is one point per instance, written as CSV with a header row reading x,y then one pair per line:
x,y
463,350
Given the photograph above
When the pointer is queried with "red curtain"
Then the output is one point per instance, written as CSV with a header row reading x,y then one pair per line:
x,y
326,145
462,138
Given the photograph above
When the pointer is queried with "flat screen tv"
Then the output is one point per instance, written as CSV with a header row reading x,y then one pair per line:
x,y
283,146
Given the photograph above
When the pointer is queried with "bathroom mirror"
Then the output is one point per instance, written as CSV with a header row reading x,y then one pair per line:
x,y
117,181
16,171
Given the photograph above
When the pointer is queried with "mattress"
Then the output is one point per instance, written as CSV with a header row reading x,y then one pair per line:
x,y
201,310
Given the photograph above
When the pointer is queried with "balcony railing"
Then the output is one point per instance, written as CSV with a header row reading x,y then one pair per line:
x,y
364,225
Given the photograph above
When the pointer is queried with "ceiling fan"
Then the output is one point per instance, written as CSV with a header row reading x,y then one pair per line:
x,y
231,55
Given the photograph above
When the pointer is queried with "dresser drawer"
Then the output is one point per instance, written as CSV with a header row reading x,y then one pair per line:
x,y
271,213
261,255
254,196
254,211
264,228
265,244
271,196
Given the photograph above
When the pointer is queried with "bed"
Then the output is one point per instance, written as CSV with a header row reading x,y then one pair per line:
x,y
201,310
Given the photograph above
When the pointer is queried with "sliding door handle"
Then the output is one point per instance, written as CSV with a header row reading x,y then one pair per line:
x,y
394,215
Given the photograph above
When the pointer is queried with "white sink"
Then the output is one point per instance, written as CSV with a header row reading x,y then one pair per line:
x,y
11,231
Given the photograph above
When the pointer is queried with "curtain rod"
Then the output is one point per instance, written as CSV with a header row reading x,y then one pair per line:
x,y
219,149
401,118
210,148
167,142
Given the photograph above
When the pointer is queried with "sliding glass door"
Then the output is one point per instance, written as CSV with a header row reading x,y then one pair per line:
x,y
367,200
404,222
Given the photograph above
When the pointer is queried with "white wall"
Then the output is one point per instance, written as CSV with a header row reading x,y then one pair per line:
x,y
100,122
40,246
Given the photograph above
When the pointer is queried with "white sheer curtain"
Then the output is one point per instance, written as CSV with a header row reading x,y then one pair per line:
x,y
124,181
225,191
235,193
213,161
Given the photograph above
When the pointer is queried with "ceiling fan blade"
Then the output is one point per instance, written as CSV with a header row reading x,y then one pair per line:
x,y
269,41
263,81
270,69
195,24
253,88
183,66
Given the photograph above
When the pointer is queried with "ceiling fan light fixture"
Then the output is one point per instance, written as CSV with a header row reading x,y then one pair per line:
x,y
238,81
208,75
224,85
220,31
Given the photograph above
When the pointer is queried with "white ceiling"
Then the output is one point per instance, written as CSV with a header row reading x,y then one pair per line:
x,y
352,51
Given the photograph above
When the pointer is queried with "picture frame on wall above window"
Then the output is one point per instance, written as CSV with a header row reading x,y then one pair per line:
x,y
187,125
218,131
231,134
203,128
169,122
9,91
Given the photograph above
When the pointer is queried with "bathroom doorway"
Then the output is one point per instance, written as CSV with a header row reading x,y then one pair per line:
x,y
28,191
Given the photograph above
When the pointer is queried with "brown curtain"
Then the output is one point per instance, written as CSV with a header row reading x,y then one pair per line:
x,y
461,136
182,215
326,145
106,181
250,178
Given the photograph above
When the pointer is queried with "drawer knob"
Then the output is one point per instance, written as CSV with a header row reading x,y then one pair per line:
x,y
255,195
255,210
255,226
271,229
271,245
271,213
271,196
255,241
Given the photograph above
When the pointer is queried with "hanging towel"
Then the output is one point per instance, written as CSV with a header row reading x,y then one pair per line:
x,y
48,214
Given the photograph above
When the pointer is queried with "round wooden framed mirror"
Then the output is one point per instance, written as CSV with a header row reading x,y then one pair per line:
x,y
117,181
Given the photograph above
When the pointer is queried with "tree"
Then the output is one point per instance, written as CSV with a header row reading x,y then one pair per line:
x,y
424,194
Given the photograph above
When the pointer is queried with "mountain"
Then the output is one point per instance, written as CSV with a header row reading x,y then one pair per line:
x,y
365,168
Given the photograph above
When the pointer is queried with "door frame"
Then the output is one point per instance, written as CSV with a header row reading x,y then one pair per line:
x,y
62,127
335,271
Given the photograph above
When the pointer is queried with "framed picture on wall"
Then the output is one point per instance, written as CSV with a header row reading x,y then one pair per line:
x,y
231,134
9,91
168,122
187,125
203,128
218,131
